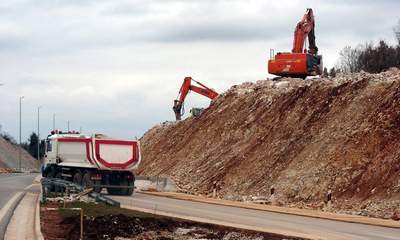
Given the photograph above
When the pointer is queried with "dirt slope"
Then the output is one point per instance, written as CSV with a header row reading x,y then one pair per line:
x,y
9,157
302,137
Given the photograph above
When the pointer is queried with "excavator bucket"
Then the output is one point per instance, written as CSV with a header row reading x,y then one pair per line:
x,y
177,109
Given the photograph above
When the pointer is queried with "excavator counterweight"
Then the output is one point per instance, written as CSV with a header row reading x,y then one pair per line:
x,y
300,62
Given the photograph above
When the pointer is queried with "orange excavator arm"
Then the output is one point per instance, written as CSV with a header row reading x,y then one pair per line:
x,y
305,28
184,90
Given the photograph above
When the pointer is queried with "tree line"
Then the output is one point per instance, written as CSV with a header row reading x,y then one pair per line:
x,y
368,57
30,145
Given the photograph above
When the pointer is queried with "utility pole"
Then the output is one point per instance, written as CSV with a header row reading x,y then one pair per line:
x,y
54,121
38,135
20,129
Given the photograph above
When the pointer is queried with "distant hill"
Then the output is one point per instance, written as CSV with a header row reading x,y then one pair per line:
x,y
9,157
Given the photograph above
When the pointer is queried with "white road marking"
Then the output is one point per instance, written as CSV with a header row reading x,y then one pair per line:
x,y
26,188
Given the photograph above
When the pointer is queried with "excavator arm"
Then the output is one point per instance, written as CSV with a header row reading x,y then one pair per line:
x,y
305,28
184,90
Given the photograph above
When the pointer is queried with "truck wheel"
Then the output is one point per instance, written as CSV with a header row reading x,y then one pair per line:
x,y
126,191
87,182
52,172
123,183
59,188
77,178
129,191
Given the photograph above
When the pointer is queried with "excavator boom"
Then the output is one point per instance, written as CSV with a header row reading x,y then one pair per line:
x,y
184,90
299,62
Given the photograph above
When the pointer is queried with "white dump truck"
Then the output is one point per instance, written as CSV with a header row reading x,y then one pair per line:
x,y
92,161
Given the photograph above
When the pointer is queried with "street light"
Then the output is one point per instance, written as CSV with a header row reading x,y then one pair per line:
x,y
20,127
54,121
38,135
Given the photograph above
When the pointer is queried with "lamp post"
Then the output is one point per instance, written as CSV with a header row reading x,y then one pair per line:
x,y
54,121
38,130
20,128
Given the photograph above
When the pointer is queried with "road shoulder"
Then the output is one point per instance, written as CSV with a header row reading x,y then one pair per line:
x,y
22,223
7,210
284,210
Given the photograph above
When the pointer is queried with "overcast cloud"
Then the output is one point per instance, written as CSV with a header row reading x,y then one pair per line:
x,y
116,66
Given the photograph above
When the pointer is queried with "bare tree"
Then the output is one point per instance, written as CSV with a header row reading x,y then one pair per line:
x,y
332,72
325,73
378,58
348,60
396,30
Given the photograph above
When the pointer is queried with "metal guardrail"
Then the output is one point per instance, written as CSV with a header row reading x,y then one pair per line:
x,y
60,186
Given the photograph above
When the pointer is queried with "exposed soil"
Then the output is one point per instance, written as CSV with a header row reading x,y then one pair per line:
x,y
9,157
303,138
65,224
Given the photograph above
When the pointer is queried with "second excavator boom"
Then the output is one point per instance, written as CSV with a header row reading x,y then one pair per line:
x,y
184,90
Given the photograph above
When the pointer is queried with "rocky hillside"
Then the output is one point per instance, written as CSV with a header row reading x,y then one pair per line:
x,y
9,157
302,137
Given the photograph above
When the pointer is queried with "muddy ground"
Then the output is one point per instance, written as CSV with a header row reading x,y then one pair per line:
x,y
104,222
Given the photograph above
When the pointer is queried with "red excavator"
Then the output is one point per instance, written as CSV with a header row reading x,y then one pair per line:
x,y
183,92
300,62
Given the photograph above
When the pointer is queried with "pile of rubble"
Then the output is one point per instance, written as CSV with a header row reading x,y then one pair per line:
x,y
6,170
300,138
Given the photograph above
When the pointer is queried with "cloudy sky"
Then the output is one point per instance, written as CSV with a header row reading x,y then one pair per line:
x,y
116,66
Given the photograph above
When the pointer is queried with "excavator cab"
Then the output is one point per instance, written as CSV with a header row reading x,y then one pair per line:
x,y
300,62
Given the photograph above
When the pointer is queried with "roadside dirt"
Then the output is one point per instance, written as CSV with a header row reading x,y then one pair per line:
x,y
133,225
9,158
301,138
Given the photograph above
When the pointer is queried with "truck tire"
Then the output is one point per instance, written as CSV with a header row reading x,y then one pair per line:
x,y
130,190
52,172
87,182
77,179
126,191
123,183
59,188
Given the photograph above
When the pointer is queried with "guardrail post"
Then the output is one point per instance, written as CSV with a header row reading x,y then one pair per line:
x,y
272,197
81,223
329,199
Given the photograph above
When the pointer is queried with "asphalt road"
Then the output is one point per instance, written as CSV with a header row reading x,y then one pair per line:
x,y
261,219
11,187
10,184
